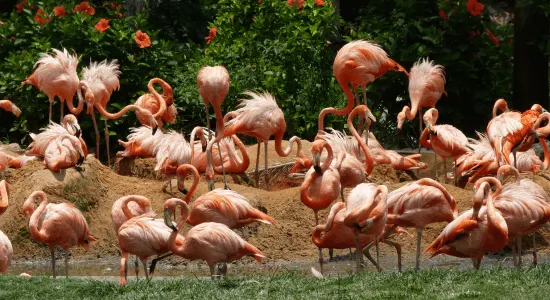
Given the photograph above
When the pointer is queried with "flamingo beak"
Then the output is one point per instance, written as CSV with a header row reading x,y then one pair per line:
x,y
167,220
318,169
204,148
431,130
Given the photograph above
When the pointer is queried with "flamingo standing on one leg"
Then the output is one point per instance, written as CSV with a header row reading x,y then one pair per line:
x,y
359,63
161,106
476,231
136,205
445,140
211,242
261,118
60,225
6,250
56,76
426,85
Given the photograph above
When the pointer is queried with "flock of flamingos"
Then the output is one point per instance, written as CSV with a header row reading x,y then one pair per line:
x,y
501,213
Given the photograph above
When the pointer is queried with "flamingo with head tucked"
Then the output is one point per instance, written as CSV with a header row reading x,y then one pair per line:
x,y
161,106
41,141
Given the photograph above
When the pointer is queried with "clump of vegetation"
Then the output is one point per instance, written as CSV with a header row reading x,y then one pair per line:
x,y
78,193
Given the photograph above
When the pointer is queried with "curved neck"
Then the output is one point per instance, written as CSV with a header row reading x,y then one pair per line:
x,y
369,163
501,105
432,115
34,221
4,202
245,161
544,145
5,105
439,186
544,131
328,159
182,171
507,170
117,115
332,214
492,181
304,197
196,131
142,201
362,212
316,235
286,152
339,112
77,110
479,195
408,113
174,248
158,97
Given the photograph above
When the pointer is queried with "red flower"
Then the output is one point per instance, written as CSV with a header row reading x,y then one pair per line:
x,y
300,3
474,7
211,35
85,8
102,25
319,2
492,37
443,15
41,17
59,11
142,39
21,5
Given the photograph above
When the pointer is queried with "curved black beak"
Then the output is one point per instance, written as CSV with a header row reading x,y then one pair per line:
x,y
432,132
318,169
80,161
168,221
204,148
78,133
154,130
184,191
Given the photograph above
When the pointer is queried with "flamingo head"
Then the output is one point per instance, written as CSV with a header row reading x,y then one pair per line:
x,y
168,219
316,149
400,120
15,110
70,120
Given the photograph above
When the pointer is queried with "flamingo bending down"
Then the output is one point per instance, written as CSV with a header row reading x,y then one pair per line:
x,y
474,232
359,63
42,140
261,118
211,242
7,105
141,143
161,106
60,225
418,204
64,152
6,250
171,151
445,140
426,85
56,76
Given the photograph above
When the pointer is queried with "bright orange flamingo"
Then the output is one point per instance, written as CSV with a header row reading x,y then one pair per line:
x,y
6,250
445,140
359,63
144,237
476,231
220,205
141,143
7,105
171,151
418,204
56,76
426,85
161,106
60,225
261,118
136,205
211,242
366,213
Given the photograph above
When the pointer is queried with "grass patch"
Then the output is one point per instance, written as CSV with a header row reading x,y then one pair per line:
x,y
495,283
77,193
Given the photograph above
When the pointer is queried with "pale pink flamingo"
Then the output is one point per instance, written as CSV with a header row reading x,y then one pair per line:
x,y
359,63
64,152
141,143
171,151
366,213
445,140
144,236
60,225
161,106
4,194
6,250
418,204
426,85
56,76
211,242
476,231
136,205
9,161
7,105
41,141
261,118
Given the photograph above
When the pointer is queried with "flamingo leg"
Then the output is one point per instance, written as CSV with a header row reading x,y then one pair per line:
x,y
257,173
212,271
534,249
223,168
123,268
331,253
96,136
66,254
51,106
418,243
456,176
360,122
515,160
52,251
107,143
397,250
208,123
136,266
519,251
316,218
377,254
357,254
321,259
144,262
420,126
266,174
156,260
61,116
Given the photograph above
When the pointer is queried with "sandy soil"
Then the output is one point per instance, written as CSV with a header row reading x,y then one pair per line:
x,y
96,187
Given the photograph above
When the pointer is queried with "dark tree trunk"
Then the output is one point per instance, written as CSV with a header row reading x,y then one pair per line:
x,y
530,58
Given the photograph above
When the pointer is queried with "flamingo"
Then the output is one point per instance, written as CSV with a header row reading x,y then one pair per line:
x,y
4,194
56,76
64,152
161,106
171,151
359,63
69,126
141,143
426,85
136,205
366,213
211,242
418,204
398,162
6,250
445,140
261,118
474,232
60,225
213,83
8,161
7,105
144,237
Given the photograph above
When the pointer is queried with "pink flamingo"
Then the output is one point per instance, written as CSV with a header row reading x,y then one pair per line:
x,y
4,193
171,151
8,161
445,140
359,63
261,118
426,85
211,242
161,106
141,143
474,232
56,76
60,225
6,250
418,204
41,141
7,105
64,152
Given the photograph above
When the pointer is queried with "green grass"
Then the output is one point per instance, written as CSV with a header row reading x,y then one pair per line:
x,y
432,284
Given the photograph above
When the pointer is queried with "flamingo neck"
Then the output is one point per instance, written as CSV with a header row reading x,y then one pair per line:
x,y
328,159
140,200
369,163
4,202
501,105
443,190
117,115
338,112
158,97
544,131
544,145
316,235
286,152
76,110
34,221
304,197
245,160
183,170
